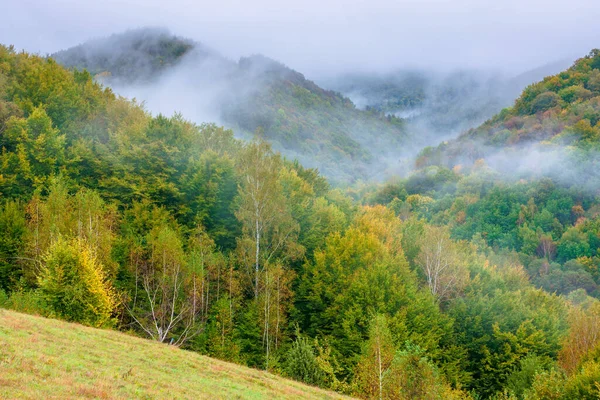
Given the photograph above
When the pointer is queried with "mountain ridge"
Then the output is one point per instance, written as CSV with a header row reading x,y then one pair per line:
x,y
554,121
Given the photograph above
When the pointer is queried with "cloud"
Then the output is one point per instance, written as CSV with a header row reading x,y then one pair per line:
x,y
318,37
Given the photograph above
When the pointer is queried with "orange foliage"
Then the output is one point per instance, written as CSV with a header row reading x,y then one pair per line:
x,y
584,336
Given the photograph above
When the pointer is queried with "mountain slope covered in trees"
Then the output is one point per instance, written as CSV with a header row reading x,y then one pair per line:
x,y
256,95
182,234
132,56
525,181
550,130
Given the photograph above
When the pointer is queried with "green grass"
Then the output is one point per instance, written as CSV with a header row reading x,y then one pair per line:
x,y
42,358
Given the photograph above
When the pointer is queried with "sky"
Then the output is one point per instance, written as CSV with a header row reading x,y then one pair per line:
x,y
326,37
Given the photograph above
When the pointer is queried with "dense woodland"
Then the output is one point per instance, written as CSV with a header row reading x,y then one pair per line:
x,y
448,284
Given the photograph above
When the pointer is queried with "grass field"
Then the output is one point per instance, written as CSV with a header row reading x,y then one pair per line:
x,y
49,359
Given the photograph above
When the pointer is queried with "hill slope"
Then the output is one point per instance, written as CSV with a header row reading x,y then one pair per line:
x,y
321,128
551,130
44,358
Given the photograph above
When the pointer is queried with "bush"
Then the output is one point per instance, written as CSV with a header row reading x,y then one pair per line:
x,y
26,301
73,284
301,363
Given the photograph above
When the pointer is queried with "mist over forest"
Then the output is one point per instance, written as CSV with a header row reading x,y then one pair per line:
x,y
439,105
392,201
409,109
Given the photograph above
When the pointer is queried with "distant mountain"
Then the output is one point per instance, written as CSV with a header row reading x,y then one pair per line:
x,y
438,105
256,95
524,79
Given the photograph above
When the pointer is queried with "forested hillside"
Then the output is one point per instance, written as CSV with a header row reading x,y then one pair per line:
x,y
182,234
522,187
529,182
551,126
256,95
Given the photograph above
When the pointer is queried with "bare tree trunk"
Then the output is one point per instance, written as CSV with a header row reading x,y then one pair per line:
x,y
278,311
256,266
230,293
267,312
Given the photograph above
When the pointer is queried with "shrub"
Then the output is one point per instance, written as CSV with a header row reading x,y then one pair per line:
x,y
301,363
26,301
73,284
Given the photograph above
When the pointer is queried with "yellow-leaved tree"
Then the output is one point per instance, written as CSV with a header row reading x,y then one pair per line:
x,y
74,284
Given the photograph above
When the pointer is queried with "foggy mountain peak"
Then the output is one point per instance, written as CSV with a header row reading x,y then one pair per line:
x,y
134,55
319,127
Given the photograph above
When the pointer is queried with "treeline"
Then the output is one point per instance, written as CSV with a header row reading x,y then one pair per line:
x,y
180,233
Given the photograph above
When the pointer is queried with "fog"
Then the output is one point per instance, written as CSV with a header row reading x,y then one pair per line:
x,y
566,166
320,38
470,58
207,87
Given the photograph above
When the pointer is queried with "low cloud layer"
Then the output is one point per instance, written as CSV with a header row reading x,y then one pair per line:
x,y
319,38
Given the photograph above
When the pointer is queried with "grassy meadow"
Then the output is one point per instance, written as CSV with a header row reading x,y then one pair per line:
x,y
49,359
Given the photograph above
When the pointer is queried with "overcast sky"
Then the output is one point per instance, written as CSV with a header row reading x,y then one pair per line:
x,y
329,36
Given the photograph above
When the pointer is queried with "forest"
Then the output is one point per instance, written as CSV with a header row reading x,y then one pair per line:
x,y
456,282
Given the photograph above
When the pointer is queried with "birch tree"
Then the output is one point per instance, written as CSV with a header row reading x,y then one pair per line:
x,y
377,357
442,263
269,237
275,298
268,227
168,304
